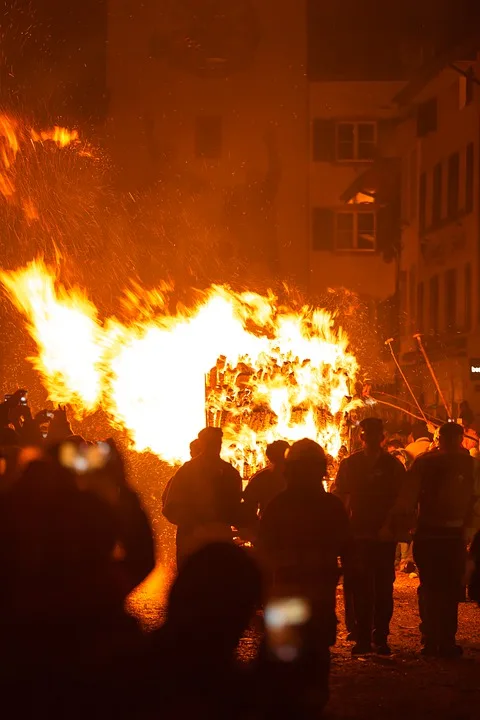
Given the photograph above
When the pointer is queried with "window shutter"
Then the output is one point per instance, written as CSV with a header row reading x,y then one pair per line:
x,y
322,229
323,140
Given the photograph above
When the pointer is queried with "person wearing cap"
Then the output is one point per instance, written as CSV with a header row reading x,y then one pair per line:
x,y
369,482
203,497
302,533
441,487
265,485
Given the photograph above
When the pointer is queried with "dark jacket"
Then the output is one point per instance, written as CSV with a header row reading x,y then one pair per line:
x,y
302,533
441,485
204,490
260,491
369,490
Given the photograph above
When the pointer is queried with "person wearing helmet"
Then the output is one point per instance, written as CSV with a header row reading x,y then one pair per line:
x,y
441,487
302,532
369,483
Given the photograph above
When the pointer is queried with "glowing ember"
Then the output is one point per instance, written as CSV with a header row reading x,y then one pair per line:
x,y
60,136
261,371
12,135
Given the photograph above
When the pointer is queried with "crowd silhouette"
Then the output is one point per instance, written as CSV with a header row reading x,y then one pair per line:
x,y
75,541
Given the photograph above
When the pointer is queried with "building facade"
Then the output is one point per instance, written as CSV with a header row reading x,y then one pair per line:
x,y
214,103
438,140
209,103
352,129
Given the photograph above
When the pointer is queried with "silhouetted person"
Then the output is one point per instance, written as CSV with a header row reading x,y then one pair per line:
x,y
192,669
62,622
195,448
421,441
302,532
441,483
133,527
265,485
474,579
195,451
369,482
204,497
134,536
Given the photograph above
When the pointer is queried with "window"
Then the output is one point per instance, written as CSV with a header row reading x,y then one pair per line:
x,y
468,296
427,117
437,194
422,202
469,177
434,300
208,136
356,141
453,185
355,231
450,299
420,306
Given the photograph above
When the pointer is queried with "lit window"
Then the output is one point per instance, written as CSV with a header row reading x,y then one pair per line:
x,y
356,141
355,231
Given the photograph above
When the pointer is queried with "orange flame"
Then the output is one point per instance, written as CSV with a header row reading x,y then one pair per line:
x,y
261,371
59,135
12,134
65,327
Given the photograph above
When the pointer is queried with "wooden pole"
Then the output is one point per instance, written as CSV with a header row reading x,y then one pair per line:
x,y
418,338
389,343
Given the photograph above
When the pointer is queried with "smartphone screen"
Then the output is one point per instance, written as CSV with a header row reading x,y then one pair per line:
x,y
285,619
83,459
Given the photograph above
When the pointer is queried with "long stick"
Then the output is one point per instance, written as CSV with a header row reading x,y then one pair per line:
x,y
407,412
428,415
418,338
389,343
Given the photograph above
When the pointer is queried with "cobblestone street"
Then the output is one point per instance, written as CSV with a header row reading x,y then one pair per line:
x,y
402,686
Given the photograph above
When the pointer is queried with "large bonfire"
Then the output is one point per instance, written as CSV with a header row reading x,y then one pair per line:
x,y
242,361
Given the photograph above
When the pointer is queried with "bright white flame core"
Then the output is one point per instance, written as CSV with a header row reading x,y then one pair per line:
x,y
278,374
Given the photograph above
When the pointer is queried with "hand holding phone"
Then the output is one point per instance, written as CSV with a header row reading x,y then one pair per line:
x,y
285,619
84,459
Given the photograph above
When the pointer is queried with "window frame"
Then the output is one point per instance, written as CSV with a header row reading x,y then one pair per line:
x,y
422,202
355,234
356,143
470,177
437,193
451,293
468,309
453,188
